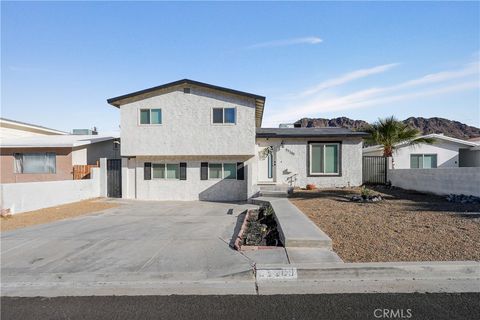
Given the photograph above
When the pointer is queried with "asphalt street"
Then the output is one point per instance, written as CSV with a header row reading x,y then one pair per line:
x,y
333,306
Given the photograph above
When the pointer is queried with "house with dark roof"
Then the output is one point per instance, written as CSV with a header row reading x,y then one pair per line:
x,y
188,140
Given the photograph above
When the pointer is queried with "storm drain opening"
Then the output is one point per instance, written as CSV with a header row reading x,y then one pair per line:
x,y
259,230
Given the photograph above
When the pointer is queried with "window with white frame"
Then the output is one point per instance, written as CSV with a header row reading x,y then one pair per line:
x,y
150,116
224,115
37,162
324,158
222,171
165,171
423,161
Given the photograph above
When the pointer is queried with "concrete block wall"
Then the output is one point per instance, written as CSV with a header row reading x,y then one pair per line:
x,y
438,181
28,196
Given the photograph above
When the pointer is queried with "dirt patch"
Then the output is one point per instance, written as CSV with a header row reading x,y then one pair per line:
x,y
406,226
51,214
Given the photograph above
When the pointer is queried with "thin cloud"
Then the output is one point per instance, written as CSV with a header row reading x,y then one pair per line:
x,y
416,88
287,42
348,77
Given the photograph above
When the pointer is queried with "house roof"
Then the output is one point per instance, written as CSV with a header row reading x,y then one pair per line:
x,y
54,141
4,122
435,136
150,92
308,132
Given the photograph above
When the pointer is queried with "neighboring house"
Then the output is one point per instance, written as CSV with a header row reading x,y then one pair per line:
x,y
12,129
48,158
445,152
188,140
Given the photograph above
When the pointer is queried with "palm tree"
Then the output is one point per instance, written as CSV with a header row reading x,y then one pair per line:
x,y
390,132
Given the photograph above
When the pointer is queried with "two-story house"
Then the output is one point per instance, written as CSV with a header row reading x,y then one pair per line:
x,y
188,140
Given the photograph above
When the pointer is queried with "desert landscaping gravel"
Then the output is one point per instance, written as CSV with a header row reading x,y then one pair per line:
x,y
406,226
51,214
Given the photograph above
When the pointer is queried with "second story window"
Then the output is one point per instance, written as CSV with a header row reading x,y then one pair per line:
x,y
150,116
224,115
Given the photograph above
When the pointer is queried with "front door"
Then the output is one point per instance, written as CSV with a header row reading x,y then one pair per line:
x,y
266,165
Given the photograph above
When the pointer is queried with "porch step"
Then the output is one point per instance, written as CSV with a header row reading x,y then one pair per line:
x,y
274,190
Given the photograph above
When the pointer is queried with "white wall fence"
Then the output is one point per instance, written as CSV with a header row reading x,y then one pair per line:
x,y
27,196
439,181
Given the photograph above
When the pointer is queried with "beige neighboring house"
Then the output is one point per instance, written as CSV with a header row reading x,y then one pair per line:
x,y
31,153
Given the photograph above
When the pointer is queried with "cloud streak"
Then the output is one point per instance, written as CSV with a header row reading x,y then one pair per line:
x,y
287,42
319,100
348,77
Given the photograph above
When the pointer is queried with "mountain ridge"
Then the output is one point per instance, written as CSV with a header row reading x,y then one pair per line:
x,y
451,128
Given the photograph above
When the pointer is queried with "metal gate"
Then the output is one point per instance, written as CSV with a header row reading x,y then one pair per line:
x,y
374,169
114,178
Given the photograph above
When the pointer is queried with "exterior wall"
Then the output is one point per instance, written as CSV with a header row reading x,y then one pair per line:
x,y
292,165
21,197
187,127
90,154
447,154
469,158
63,165
191,189
439,181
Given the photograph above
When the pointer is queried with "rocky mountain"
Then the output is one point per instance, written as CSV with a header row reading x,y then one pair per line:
x,y
450,128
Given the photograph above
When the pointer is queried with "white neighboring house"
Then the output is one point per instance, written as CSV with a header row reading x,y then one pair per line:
x,y
445,152
189,140
16,129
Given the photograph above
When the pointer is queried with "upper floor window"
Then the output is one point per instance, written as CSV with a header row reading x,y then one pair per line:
x,y
324,158
38,162
150,116
423,161
224,115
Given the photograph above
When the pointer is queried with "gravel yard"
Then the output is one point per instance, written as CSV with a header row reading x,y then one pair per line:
x,y
406,226
46,215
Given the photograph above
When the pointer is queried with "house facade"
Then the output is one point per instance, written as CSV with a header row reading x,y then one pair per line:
x,y
188,140
445,152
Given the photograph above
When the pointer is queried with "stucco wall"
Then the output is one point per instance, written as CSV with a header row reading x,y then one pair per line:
x,y
191,189
469,158
187,127
447,154
90,154
439,181
63,165
27,196
291,161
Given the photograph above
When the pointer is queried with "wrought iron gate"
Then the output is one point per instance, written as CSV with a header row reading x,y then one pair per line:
x,y
114,178
374,170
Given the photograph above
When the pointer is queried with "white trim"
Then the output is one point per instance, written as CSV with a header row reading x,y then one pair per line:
x,y
310,159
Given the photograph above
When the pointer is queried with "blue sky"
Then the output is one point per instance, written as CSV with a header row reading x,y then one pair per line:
x,y
61,61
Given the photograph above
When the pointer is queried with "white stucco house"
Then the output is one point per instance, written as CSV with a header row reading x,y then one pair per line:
x,y
189,140
445,152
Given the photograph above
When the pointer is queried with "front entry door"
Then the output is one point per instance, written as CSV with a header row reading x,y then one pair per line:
x,y
266,165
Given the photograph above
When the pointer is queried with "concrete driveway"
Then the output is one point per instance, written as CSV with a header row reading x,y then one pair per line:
x,y
139,241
